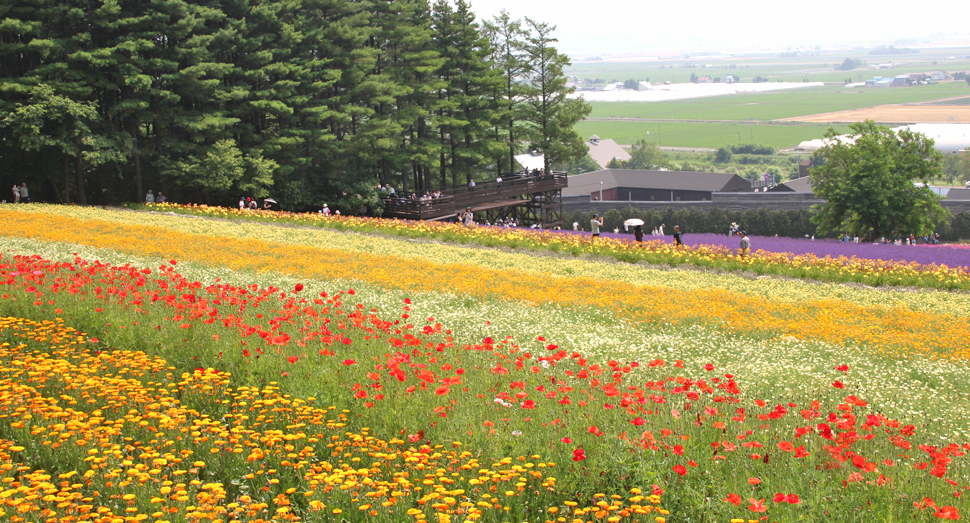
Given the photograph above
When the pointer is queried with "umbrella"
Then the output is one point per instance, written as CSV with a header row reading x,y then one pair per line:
x,y
270,200
633,221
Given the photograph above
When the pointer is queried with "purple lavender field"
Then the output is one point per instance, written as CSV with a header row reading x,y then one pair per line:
x,y
949,255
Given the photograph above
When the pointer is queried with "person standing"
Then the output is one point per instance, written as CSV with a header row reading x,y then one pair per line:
x,y
745,244
16,193
594,225
242,203
575,226
467,217
149,198
160,198
660,231
24,195
678,239
638,233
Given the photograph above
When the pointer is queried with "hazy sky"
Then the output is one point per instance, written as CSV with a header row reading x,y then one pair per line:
x,y
588,28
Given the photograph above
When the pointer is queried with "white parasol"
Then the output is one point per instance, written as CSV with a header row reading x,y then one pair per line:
x,y
270,200
633,221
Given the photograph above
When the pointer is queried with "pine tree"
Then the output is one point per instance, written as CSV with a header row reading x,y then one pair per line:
x,y
510,59
549,115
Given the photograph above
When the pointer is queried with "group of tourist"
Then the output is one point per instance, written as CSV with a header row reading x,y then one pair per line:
x,y
154,198
249,204
20,193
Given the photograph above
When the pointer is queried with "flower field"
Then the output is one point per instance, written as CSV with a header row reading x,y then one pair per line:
x,y
163,368
824,260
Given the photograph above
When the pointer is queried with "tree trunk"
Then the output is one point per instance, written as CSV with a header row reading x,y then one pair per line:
x,y
67,179
82,197
56,192
136,156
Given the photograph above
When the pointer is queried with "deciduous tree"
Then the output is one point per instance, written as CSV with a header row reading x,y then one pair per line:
x,y
875,184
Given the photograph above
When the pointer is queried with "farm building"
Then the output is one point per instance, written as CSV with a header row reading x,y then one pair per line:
x,y
640,185
604,150
797,185
949,138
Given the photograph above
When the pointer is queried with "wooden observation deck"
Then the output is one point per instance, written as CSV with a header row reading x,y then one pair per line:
x,y
527,198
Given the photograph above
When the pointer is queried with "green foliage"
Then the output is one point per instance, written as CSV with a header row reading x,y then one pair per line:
x,y
314,97
548,115
956,169
646,155
871,186
752,148
849,64
723,155
585,165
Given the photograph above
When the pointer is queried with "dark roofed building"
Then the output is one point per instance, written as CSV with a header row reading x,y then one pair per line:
x,y
958,194
645,186
802,184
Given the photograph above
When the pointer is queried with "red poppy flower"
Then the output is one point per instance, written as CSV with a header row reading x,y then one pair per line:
x,y
349,362
442,390
528,404
708,367
786,446
292,359
947,512
838,384
733,499
567,441
754,481
757,506
638,421
579,455
361,394
680,469
298,287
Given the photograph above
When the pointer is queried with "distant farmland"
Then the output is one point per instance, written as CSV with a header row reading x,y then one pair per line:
x,y
777,105
716,121
711,135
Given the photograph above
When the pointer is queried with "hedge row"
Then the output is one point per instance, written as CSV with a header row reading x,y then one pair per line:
x,y
759,222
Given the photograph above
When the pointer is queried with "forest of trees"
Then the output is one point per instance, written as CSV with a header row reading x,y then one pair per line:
x,y
303,100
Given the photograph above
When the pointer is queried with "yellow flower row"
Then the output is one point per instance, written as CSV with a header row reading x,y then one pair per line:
x,y
775,289
901,330
128,446
862,269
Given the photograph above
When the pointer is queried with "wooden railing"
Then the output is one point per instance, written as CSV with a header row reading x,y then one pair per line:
x,y
456,199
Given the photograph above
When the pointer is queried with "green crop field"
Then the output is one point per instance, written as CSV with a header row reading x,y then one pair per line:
x,y
816,68
780,104
710,135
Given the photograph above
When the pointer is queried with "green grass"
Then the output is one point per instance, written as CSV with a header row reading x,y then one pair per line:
x,y
958,101
776,105
711,135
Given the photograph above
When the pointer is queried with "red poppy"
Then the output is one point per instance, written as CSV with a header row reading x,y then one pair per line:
x,y
441,390
680,469
638,421
786,446
349,362
361,394
708,367
757,506
292,359
579,455
838,384
567,441
947,512
733,499
528,404
298,287
754,481
800,452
